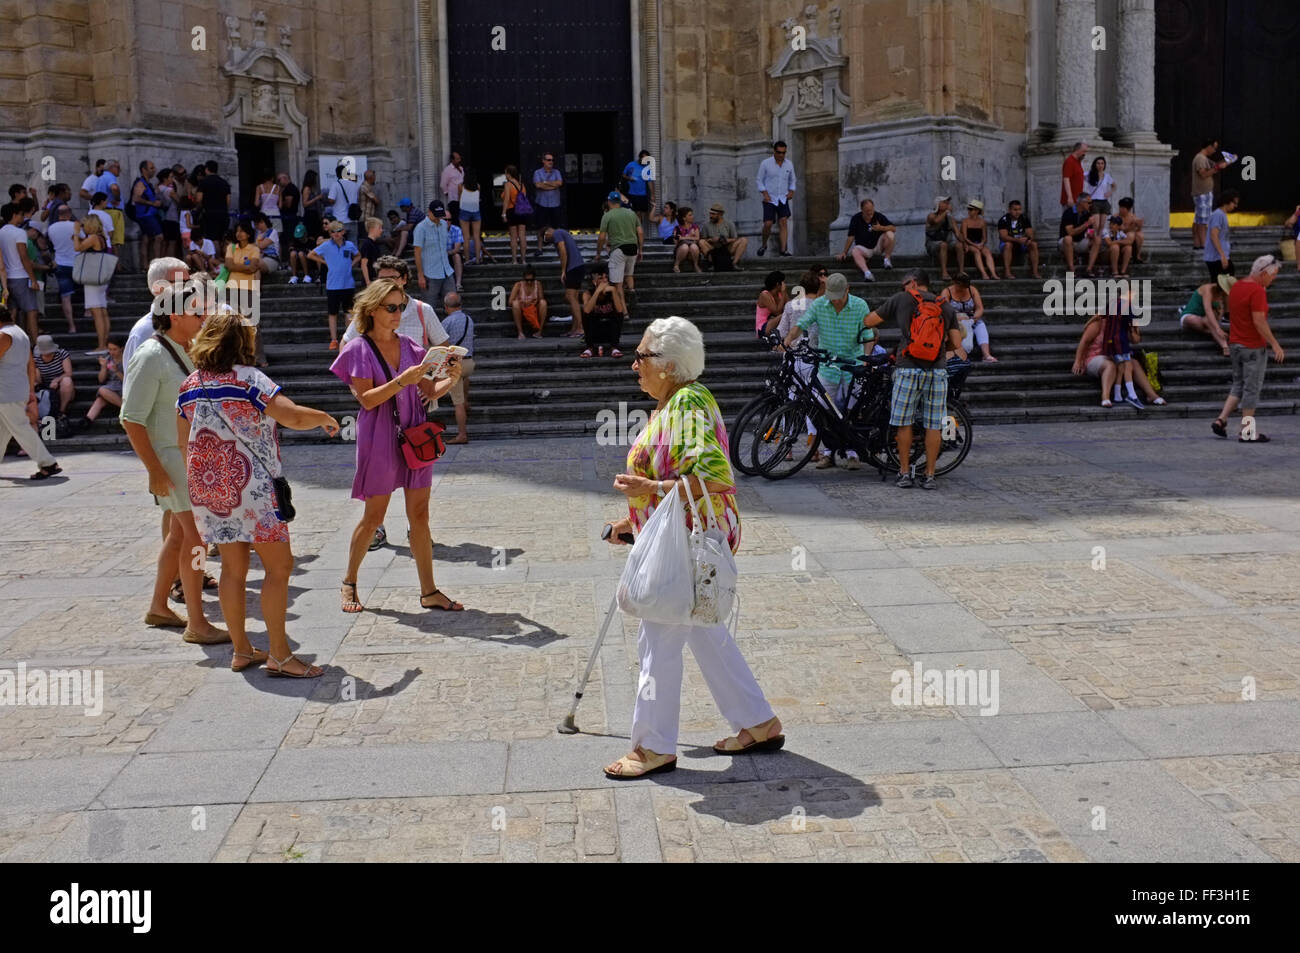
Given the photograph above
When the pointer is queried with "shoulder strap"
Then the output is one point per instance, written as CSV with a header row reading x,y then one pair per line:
x,y
167,346
216,408
383,367
463,334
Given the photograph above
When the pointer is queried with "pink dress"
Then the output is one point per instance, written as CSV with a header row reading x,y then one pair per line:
x,y
381,469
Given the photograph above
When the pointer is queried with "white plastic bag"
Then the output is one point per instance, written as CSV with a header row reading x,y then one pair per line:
x,y
657,582
713,565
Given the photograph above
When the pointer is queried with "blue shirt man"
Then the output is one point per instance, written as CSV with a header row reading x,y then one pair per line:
x,y
547,184
337,254
429,240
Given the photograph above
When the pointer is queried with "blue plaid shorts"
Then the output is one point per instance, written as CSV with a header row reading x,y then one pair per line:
x,y
914,387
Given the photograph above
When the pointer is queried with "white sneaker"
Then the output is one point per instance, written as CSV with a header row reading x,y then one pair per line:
x,y
889,265
306,279
293,280
867,275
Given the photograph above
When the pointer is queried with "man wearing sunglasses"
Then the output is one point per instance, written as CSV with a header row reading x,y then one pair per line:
x,y
776,184
547,183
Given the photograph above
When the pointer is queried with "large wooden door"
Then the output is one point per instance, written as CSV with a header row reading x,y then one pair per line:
x,y
1228,68
820,185
559,59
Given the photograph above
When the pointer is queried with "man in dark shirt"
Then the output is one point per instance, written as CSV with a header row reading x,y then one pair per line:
x,y
214,195
869,232
1075,222
918,384
1017,236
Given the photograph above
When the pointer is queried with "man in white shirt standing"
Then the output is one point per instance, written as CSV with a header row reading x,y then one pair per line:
x,y
91,185
19,277
61,233
343,193
776,184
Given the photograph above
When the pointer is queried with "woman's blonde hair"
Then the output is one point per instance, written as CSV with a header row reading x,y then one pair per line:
x,y
372,222
91,225
224,341
370,298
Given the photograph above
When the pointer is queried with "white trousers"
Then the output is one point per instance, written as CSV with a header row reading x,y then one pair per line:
x,y
659,689
14,423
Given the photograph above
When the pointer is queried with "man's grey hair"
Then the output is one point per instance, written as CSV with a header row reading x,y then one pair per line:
x,y
680,343
451,301
159,271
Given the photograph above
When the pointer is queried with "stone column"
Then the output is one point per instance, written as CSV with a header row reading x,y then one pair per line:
x,y
1076,71
1136,106
1140,162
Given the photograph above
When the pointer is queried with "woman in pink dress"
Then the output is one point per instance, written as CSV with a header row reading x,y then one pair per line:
x,y
228,412
381,468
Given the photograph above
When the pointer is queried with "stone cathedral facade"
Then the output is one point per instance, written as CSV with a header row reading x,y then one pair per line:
x,y
895,99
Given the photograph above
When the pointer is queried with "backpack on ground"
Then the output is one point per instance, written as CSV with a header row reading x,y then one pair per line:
x,y
720,257
926,332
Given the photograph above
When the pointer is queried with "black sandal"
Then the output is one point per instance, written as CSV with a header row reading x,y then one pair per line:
x,y
1259,438
44,473
1220,427
453,607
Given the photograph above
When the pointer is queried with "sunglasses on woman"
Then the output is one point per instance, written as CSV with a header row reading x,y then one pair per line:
x,y
391,308
644,356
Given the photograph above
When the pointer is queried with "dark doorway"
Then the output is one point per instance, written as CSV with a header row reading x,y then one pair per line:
x,y
589,164
256,158
541,64
1222,68
491,143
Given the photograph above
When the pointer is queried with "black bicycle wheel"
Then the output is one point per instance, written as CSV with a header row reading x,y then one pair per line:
x,y
956,443
782,447
746,426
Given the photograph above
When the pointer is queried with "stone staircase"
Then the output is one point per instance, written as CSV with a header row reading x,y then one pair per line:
x,y
542,387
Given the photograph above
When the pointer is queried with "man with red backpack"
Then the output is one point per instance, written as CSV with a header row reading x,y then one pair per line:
x,y
921,376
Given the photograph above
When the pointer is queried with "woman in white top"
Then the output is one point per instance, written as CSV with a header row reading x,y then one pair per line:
x,y
1100,187
471,218
267,199
91,238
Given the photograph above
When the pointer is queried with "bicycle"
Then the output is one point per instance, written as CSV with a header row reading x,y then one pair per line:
x,y
776,391
865,429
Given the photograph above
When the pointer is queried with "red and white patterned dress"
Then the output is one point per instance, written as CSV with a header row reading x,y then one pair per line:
x,y
230,470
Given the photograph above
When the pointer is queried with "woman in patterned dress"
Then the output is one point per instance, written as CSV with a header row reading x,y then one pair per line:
x,y
685,440
228,412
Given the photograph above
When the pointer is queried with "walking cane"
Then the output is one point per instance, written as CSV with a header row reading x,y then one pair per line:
x,y
568,727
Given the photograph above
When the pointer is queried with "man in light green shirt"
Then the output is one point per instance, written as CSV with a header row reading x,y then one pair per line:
x,y
620,227
838,317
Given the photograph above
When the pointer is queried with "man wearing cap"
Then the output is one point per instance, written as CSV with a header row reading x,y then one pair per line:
x,y
719,233
940,232
919,385
838,317
574,270
436,276
403,225
1249,341
869,232
337,254
640,179
622,230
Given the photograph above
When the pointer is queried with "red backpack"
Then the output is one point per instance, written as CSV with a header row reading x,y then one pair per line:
x,y
926,331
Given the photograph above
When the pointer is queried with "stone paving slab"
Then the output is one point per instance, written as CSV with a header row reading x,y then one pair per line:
x,y
432,735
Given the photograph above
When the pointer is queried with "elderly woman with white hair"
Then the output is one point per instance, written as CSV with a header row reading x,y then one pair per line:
x,y
668,362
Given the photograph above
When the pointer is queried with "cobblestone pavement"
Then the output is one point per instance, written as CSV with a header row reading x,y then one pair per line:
x,y
1119,599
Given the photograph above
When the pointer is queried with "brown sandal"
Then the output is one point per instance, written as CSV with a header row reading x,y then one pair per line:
x,y
349,602
452,604
626,768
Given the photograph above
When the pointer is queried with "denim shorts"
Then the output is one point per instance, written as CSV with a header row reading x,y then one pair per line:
x,y
470,216
66,284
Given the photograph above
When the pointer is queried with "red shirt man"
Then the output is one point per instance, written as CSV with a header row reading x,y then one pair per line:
x,y
1246,298
1072,174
